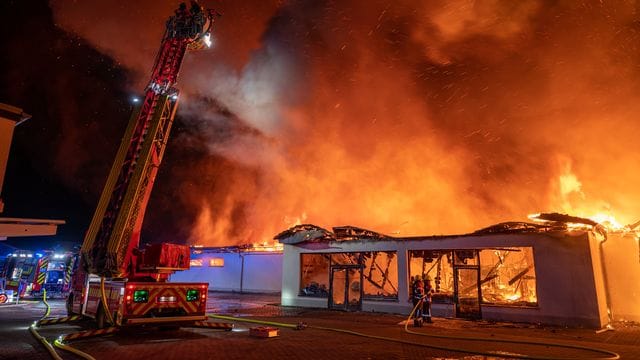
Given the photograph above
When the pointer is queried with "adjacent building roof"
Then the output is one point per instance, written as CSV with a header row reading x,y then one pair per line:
x,y
13,227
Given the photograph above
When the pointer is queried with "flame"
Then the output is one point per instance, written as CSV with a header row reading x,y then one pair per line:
x,y
266,246
571,199
513,297
423,118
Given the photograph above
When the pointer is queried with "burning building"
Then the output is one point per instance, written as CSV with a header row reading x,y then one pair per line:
x,y
547,273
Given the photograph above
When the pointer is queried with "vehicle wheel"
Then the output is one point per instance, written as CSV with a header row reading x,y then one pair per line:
x,y
101,318
70,305
3,298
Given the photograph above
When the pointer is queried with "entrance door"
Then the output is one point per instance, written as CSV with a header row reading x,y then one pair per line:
x,y
467,292
346,289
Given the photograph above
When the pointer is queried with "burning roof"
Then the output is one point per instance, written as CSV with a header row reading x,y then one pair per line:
x,y
313,233
545,222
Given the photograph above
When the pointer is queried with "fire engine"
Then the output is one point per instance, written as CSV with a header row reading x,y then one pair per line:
x,y
26,274
118,283
17,274
53,273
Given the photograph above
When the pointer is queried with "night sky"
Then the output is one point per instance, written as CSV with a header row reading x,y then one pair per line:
x,y
63,83
403,117
80,102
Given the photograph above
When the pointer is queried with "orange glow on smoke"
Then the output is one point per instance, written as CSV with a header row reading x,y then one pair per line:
x,y
404,117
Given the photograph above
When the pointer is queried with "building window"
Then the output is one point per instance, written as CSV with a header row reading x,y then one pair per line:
x,y
507,276
353,258
216,262
465,257
314,277
436,265
195,262
380,275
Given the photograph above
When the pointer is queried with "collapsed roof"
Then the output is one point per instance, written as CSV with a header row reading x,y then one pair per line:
x,y
546,222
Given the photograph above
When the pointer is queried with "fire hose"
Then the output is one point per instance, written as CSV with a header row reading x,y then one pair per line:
x,y
105,305
41,338
608,355
58,342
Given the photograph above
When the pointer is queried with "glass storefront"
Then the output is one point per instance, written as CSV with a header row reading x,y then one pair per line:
x,y
503,276
437,265
379,273
508,276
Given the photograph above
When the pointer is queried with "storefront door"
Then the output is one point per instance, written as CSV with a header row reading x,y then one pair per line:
x,y
467,292
346,290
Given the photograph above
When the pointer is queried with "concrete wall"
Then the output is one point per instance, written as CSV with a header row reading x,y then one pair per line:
x,y
622,267
568,293
262,272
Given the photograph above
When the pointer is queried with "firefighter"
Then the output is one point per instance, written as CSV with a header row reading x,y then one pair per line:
x,y
427,297
417,293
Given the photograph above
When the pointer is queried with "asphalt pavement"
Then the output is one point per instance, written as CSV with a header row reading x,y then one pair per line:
x,y
328,335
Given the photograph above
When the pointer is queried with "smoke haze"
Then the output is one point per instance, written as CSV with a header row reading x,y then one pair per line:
x,y
397,116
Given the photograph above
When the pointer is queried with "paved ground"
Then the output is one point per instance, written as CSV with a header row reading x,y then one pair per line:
x,y
314,342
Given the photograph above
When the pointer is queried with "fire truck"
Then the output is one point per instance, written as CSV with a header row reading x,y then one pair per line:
x,y
117,282
17,274
26,274
53,274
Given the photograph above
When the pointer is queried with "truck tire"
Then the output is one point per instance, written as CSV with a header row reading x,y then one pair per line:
x,y
101,318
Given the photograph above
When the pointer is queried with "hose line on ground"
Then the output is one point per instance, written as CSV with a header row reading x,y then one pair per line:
x,y
44,300
39,337
105,306
44,342
231,318
58,343
610,355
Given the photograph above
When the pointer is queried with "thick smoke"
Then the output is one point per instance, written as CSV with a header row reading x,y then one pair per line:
x,y
405,117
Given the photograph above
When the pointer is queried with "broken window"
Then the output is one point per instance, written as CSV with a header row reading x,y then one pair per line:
x,y
380,275
314,277
465,257
508,276
437,265
346,259
195,262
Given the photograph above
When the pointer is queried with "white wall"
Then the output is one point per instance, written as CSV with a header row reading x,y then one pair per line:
x,y
262,272
622,266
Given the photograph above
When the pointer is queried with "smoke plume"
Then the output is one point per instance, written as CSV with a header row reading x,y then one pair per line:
x,y
399,116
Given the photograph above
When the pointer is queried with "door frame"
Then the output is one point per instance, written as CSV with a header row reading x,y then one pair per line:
x,y
457,295
346,306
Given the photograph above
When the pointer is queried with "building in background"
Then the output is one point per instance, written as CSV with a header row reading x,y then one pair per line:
x,y
250,268
517,272
10,117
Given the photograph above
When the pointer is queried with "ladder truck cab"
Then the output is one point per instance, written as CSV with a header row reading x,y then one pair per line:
x,y
117,283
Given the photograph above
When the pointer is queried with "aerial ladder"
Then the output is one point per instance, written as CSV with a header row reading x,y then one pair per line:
x,y
117,282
